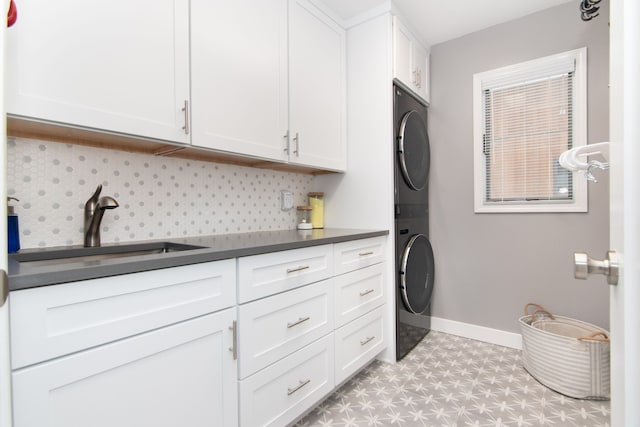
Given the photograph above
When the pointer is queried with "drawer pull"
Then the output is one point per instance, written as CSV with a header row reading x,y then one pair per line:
x,y
367,292
366,253
367,340
293,270
297,322
301,384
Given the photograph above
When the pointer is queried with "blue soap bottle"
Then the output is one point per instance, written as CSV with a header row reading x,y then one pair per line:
x,y
13,232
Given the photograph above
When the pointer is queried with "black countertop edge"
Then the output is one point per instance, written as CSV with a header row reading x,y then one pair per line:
x,y
215,247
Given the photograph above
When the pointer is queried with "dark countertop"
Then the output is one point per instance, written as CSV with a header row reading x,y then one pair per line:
x,y
217,247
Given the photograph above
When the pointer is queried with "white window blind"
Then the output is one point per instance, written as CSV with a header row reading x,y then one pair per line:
x,y
528,115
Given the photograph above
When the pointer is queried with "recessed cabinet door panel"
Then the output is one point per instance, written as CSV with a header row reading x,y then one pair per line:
x,y
116,67
181,375
317,85
239,76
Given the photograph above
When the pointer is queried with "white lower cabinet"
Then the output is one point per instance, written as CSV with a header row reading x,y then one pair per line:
x,y
358,342
180,375
302,334
280,393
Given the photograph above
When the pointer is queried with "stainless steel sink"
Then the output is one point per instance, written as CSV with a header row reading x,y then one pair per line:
x,y
71,255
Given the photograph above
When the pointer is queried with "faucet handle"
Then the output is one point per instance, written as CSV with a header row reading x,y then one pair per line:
x,y
93,200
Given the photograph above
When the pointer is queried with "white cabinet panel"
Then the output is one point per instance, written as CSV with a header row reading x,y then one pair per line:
x,y
239,76
51,321
410,61
282,392
181,375
354,254
266,274
317,88
98,66
358,292
358,342
271,328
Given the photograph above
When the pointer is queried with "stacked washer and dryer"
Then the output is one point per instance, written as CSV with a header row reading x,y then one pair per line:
x,y
414,255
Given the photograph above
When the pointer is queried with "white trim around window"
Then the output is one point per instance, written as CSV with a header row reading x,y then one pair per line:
x,y
572,195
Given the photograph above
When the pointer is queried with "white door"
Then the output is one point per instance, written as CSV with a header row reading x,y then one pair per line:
x,y
5,370
625,210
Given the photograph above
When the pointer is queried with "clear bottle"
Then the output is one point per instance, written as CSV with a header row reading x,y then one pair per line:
x,y
304,217
316,201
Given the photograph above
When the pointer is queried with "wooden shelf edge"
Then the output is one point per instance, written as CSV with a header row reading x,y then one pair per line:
x,y
24,128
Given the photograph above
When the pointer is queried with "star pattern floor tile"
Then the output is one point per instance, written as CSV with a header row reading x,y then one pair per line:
x,y
449,381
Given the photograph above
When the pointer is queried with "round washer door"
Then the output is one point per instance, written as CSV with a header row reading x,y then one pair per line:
x,y
413,150
417,272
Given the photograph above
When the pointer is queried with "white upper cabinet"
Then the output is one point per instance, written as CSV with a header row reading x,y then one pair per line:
x,y
410,60
268,81
239,76
96,65
317,88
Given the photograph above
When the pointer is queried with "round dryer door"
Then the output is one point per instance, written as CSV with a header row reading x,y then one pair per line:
x,y
413,150
417,271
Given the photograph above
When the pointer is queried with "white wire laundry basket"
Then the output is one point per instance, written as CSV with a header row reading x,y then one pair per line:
x,y
565,354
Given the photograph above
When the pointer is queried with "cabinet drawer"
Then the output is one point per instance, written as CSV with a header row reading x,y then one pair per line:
x,y
51,321
358,292
267,274
358,342
354,254
279,394
274,327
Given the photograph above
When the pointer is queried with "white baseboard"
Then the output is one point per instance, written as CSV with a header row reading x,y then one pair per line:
x,y
480,333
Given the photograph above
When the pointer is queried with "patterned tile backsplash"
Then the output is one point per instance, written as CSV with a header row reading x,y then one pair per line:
x,y
159,197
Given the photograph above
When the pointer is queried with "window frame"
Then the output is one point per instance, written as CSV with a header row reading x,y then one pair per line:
x,y
579,134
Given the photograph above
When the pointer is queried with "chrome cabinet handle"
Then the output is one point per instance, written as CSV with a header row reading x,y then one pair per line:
x,y
286,137
365,253
296,139
301,384
185,108
367,292
293,270
367,340
234,347
297,322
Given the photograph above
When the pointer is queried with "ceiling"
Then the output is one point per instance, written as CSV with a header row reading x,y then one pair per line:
x,y
437,21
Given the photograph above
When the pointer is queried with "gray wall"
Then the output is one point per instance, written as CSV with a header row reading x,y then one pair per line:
x,y
489,265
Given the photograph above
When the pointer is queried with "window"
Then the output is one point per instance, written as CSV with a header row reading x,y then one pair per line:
x,y
525,116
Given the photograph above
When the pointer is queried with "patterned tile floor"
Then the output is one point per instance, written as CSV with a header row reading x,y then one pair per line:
x,y
452,381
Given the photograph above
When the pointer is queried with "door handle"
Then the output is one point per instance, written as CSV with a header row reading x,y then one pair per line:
x,y
4,287
584,266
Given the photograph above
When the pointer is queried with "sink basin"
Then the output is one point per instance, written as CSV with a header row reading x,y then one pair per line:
x,y
70,255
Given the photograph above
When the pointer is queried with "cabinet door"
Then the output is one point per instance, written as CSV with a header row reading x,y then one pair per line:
x,y
239,76
402,46
420,66
317,88
116,67
181,375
